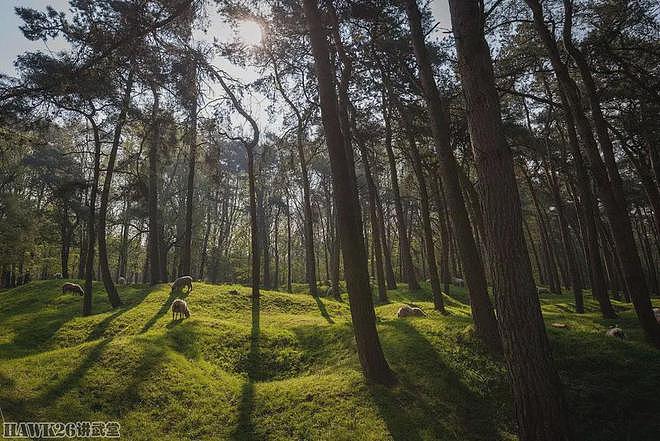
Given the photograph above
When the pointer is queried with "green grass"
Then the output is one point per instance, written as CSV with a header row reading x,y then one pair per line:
x,y
286,368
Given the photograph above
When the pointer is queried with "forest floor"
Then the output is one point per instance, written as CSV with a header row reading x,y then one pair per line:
x,y
291,372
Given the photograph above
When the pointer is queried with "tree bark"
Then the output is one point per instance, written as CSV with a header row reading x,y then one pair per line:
x,y
538,402
370,353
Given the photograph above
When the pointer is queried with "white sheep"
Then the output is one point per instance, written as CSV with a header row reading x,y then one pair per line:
x,y
458,282
409,311
121,280
656,312
183,281
180,309
617,332
74,288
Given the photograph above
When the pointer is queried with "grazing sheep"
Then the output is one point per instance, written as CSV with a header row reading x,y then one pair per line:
x,y
656,312
74,288
181,282
58,275
121,281
458,282
617,332
233,292
180,309
408,311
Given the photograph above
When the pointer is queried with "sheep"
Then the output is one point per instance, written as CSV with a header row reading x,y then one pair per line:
x,y
656,312
233,292
121,281
74,288
182,282
58,275
408,311
617,332
180,309
458,282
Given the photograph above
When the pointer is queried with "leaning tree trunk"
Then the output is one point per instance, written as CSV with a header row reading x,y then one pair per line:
x,y
482,309
111,289
538,402
370,353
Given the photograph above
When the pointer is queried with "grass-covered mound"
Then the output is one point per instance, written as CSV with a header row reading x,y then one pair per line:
x,y
286,368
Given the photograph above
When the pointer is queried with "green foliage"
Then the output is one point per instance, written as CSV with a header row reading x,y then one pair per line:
x,y
294,374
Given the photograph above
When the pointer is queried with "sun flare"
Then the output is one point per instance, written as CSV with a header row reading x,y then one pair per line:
x,y
249,32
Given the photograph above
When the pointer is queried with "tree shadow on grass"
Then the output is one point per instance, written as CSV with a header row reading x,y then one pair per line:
x,y
163,309
323,309
245,429
430,401
26,409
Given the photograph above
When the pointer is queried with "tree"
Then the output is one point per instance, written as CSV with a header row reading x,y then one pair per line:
x,y
370,353
539,405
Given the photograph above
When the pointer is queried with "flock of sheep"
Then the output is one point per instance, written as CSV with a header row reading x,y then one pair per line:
x,y
180,307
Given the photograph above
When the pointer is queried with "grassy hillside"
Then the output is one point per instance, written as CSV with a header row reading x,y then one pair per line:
x,y
286,368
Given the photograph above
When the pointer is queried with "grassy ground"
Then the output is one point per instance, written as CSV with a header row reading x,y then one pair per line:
x,y
286,368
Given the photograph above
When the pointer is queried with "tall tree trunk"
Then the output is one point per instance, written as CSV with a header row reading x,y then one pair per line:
x,y
538,402
276,232
567,241
438,194
427,229
387,254
535,253
370,353
82,251
254,222
473,270
205,243
152,202
375,224
546,239
111,289
185,267
91,220
405,255
288,245
610,192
